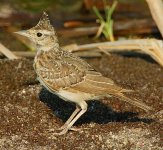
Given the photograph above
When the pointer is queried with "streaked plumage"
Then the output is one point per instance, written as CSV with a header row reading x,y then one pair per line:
x,y
68,76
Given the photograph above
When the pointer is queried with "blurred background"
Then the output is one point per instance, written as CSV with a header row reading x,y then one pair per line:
x,y
76,21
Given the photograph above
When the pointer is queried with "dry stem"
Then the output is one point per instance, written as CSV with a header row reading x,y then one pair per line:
x,y
152,47
7,52
156,8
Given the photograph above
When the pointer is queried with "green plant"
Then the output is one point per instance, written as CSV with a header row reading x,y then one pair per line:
x,y
106,23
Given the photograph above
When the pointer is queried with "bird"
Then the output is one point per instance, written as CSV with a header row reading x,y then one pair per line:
x,y
68,76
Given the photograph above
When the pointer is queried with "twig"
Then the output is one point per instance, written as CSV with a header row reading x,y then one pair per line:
x,y
7,52
152,47
156,8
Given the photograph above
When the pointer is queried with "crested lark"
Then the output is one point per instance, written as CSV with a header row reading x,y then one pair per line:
x,y
68,76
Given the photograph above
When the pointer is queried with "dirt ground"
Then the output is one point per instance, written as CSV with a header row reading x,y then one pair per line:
x,y
30,115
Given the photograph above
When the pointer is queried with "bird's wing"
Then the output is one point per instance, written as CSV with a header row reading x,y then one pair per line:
x,y
60,70
98,85
94,83
91,81
91,77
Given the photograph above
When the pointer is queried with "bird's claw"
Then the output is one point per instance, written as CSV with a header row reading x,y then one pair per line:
x,y
66,129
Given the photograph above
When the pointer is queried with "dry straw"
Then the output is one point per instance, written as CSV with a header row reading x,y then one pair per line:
x,y
152,47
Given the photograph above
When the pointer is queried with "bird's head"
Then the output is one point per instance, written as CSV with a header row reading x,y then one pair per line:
x,y
43,34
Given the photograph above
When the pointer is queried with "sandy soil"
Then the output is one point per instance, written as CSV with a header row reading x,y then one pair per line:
x,y
29,114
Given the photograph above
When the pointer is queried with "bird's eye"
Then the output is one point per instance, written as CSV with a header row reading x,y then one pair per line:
x,y
39,34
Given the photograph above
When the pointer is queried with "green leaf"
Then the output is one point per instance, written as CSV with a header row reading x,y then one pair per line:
x,y
112,9
106,24
97,13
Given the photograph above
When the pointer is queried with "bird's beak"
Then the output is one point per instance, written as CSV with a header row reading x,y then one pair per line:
x,y
23,33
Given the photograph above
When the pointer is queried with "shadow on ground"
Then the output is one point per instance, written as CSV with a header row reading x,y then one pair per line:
x,y
136,55
97,111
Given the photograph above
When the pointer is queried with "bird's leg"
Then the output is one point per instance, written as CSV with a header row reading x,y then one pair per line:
x,y
70,118
83,106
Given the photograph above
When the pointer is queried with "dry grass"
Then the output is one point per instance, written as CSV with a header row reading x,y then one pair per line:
x,y
7,52
151,47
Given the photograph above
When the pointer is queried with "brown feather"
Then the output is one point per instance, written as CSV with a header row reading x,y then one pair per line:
x,y
98,87
71,73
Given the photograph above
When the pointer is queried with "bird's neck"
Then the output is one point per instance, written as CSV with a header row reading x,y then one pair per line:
x,y
48,47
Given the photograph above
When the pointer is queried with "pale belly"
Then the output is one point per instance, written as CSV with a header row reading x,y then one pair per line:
x,y
74,97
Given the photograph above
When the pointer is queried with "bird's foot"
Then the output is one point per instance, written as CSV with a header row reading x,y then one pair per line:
x,y
65,130
62,127
66,126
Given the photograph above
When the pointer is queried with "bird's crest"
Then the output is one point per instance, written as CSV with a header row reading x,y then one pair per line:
x,y
44,23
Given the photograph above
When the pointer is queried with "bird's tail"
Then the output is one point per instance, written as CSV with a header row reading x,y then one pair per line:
x,y
134,102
